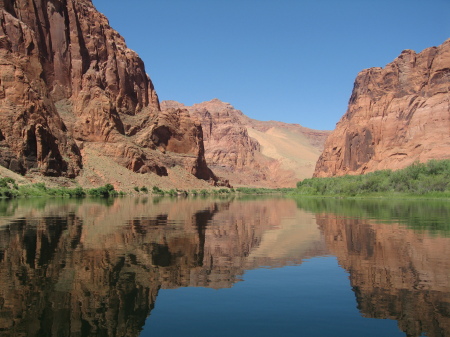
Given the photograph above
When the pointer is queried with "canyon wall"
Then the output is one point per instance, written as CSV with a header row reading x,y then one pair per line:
x,y
69,83
397,115
254,153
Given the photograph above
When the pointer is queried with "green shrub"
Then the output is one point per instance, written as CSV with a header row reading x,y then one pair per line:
x,y
157,190
104,191
144,189
78,192
40,186
254,190
8,193
7,183
419,178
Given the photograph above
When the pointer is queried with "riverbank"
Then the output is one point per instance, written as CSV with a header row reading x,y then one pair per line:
x,y
420,180
431,179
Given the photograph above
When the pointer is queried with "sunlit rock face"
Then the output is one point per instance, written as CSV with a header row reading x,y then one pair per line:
x,y
395,272
251,152
397,115
69,81
228,147
95,268
32,134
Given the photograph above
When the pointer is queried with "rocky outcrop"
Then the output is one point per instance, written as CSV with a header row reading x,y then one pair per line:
x,y
396,115
251,152
68,78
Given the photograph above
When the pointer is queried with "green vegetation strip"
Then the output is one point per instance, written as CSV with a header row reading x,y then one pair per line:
x,y
431,179
9,189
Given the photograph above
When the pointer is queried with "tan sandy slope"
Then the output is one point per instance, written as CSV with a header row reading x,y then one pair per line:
x,y
249,152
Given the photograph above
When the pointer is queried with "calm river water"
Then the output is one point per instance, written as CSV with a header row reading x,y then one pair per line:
x,y
224,267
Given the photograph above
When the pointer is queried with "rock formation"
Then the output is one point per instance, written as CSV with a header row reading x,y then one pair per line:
x,y
68,83
32,134
251,152
396,115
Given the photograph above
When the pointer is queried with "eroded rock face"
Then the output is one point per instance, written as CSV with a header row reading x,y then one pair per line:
x,y
397,115
32,133
67,76
228,147
225,135
251,152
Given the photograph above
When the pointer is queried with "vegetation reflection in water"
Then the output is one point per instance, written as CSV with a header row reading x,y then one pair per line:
x,y
418,214
96,267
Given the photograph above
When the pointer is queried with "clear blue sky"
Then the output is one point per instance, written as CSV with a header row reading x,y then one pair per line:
x,y
288,60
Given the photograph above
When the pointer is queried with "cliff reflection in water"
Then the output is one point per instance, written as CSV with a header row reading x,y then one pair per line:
x,y
94,268
397,254
84,268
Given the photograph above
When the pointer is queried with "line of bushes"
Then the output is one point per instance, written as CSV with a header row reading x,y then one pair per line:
x,y
431,178
221,191
174,192
9,189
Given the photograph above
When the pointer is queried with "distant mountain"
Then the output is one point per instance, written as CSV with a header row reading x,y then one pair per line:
x,y
396,115
254,153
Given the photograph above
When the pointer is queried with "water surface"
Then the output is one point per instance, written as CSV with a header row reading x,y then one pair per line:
x,y
224,267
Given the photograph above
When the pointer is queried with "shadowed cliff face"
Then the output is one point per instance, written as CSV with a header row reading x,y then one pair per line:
x,y
396,115
68,81
395,272
95,269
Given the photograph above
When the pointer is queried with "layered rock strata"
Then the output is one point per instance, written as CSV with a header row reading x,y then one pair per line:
x,y
396,115
251,152
67,81
225,136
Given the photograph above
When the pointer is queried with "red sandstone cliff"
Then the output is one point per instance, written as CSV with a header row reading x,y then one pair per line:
x,y
251,152
68,84
396,115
